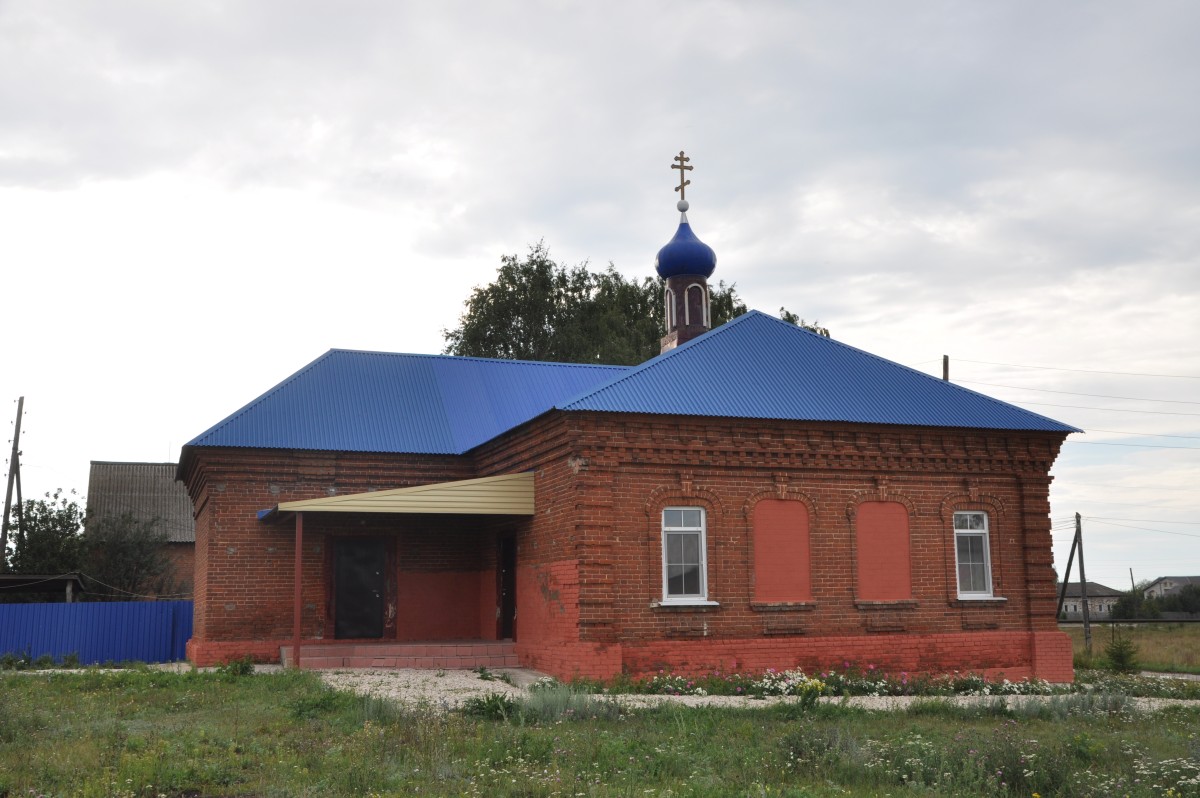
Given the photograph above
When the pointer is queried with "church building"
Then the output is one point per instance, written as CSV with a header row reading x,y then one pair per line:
x,y
757,496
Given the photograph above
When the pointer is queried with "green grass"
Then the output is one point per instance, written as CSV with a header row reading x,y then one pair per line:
x,y
145,733
1162,647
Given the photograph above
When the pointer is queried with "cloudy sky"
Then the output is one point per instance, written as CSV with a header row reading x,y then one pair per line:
x,y
197,199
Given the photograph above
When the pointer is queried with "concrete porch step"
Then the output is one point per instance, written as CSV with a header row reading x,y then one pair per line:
x,y
450,655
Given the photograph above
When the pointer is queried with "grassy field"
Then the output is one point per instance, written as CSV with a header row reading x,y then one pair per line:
x,y
1164,647
145,733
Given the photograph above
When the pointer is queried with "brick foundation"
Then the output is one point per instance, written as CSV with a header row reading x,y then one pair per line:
x,y
995,655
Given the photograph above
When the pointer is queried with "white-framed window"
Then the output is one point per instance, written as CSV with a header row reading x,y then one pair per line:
x,y
685,577
971,554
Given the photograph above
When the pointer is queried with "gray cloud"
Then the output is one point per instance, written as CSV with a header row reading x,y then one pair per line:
x,y
1004,182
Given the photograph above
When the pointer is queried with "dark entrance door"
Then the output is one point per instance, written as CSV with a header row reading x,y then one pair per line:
x,y
507,576
358,583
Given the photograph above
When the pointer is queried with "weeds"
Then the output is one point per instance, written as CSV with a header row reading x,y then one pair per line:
x,y
236,668
560,702
491,676
141,733
493,706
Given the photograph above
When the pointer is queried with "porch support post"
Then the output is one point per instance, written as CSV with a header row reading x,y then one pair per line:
x,y
296,599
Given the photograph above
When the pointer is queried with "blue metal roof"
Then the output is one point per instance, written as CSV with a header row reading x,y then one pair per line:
x,y
424,404
757,366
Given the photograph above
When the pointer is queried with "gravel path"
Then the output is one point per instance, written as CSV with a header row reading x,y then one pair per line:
x,y
446,690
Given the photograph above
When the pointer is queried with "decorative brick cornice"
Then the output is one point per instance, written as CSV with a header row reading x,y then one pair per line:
x,y
678,441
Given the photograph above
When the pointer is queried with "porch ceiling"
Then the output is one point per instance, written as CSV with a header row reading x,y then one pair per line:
x,y
506,494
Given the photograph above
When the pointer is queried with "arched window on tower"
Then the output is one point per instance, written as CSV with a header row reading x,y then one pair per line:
x,y
696,308
669,309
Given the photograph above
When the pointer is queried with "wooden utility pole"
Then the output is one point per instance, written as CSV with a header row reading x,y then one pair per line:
x,y
946,368
1087,616
14,475
1077,543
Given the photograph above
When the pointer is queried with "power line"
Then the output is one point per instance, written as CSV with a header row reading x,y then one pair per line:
x,y
1118,504
138,595
1140,520
1144,529
1112,409
1146,434
1077,393
1084,371
1134,445
1136,487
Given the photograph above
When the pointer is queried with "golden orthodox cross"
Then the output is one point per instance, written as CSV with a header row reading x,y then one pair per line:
x,y
682,167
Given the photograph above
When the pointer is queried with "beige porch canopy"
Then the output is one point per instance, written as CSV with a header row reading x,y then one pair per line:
x,y
506,494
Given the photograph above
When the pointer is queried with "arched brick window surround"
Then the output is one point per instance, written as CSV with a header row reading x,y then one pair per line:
x,y
882,494
998,525
781,493
702,303
685,494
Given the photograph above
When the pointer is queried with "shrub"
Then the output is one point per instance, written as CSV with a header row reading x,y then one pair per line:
x,y
493,706
236,668
1122,654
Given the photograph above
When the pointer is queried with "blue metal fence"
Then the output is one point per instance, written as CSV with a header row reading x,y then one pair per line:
x,y
118,631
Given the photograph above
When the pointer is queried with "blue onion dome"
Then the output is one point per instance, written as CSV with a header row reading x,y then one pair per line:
x,y
685,254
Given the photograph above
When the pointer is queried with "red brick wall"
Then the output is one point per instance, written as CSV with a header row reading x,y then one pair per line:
x,y
997,655
243,574
636,465
442,605
180,575
589,579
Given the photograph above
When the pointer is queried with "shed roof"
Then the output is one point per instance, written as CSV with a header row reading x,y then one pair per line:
x,y
755,366
504,494
145,490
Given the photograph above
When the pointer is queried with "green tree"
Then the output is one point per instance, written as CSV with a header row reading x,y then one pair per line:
x,y
792,318
537,309
51,542
125,558
1186,599
1134,604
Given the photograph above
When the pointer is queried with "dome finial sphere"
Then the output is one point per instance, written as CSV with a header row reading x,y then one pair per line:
x,y
682,205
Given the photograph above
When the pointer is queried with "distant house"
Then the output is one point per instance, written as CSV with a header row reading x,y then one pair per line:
x,y
1166,585
148,491
1100,601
